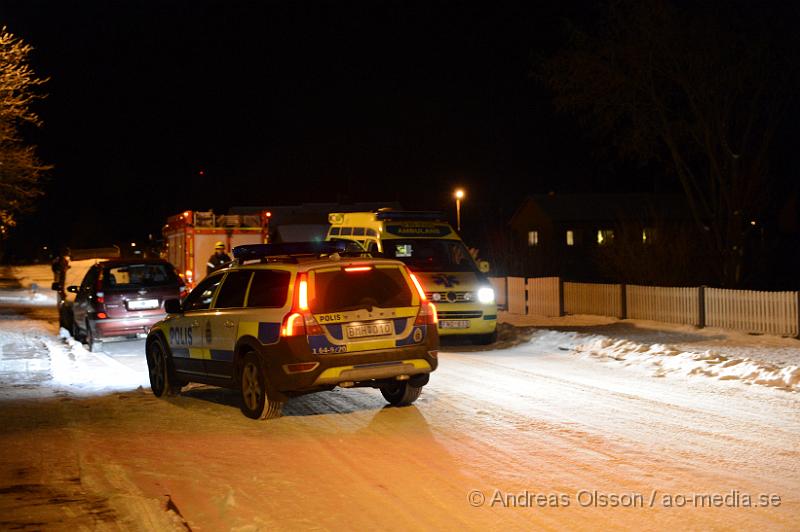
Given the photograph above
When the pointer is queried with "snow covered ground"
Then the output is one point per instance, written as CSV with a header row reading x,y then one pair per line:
x,y
578,422
661,349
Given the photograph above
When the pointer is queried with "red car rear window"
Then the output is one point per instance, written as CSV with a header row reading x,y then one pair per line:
x,y
133,276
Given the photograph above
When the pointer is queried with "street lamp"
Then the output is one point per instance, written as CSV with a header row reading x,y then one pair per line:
x,y
459,196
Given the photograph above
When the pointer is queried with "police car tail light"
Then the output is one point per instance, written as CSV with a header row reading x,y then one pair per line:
x,y
300,322
427,314
418,286
312,327
302,292
293,325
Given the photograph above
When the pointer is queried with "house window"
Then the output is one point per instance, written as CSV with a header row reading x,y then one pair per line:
x,y
605,236
533,238
648,235
570,237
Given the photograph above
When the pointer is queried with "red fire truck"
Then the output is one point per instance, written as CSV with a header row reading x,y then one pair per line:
x,y
190,237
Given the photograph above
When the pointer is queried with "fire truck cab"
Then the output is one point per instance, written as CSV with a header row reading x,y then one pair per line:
x,y
190,237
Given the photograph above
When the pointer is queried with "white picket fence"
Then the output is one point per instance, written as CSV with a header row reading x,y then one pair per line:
x,y
593,298
543,296
659,303
776,313
516,295
499,285
758,312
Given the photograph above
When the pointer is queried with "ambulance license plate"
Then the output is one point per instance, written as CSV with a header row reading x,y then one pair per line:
x,y
454,324
369,329
143,304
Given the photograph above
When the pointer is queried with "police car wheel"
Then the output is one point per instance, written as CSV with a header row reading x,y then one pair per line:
x,y
162,380
253,384
401,393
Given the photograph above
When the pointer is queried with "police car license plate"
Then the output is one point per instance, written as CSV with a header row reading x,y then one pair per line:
x,y
454,324
369,329
143,304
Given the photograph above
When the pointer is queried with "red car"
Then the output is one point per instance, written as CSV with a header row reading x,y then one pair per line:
x,y
121,299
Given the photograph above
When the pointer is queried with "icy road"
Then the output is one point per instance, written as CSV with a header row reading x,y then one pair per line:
x,y
535,434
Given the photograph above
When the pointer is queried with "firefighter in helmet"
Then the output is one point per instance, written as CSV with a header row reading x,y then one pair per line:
x,y
218,260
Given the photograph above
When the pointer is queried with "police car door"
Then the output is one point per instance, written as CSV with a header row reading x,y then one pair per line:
x,y
187,334
223,324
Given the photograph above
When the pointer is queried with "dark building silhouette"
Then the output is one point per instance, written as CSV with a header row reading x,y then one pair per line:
x,y
608,237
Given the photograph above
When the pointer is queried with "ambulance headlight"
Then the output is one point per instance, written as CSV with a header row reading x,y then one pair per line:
x,y
486,295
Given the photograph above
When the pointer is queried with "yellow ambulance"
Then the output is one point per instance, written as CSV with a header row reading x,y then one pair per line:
x,y
429,246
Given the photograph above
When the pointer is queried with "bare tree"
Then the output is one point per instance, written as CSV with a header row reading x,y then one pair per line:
x,y
702,92
20,169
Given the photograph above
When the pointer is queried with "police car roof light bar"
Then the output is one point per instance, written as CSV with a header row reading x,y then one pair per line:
x,y
286,249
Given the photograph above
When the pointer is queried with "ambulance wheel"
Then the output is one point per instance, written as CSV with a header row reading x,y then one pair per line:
x,y
159,366
400,393
256,403
485,339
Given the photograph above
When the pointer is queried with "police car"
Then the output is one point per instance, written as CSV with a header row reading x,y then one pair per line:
x,y
288,319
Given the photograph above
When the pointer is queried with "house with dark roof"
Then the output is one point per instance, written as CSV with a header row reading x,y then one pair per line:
x,y
578,235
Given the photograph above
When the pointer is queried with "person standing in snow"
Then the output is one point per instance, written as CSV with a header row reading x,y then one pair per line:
x,y
60,266
218,260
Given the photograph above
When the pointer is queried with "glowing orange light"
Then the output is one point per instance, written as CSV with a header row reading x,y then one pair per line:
x,y
419,288
302,298
358,269
288,330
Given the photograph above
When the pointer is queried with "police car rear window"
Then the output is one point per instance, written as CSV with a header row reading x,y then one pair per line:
x,y
339,291
268,289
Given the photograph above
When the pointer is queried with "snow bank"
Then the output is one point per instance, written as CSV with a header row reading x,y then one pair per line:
x,y
42,274
664,359
78,370
31,297
37,362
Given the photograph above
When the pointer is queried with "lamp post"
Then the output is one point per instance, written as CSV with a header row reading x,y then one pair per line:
x,y
459,196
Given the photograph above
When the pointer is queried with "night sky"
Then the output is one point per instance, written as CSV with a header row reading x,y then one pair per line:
x,y
291,102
